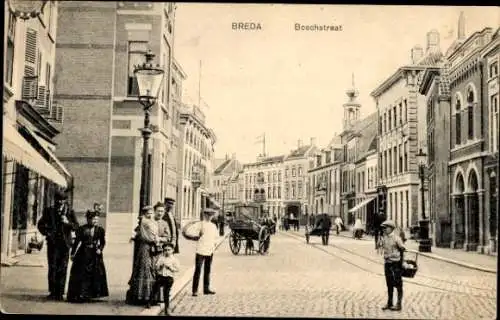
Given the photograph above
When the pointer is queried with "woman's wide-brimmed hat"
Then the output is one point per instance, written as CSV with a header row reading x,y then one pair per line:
x,y
388,223
209,211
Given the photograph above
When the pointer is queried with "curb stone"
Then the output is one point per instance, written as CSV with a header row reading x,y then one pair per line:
x,y
179,284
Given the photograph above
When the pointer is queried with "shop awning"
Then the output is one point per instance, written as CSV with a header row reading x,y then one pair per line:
x,y
46,146
362,204
15,147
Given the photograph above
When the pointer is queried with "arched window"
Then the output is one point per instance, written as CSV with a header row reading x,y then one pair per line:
x,y
470,113
458,133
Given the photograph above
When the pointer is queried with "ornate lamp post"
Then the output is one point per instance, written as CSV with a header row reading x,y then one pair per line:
x,y
149,78
424,243
26,9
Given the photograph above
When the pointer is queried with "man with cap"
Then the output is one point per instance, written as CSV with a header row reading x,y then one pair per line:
x,y
172,223
392,246
56,224
205,248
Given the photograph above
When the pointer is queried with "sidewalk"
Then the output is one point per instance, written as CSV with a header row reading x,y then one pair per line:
x,y
469,259
23,287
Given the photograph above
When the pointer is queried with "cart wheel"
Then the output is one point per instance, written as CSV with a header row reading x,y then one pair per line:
x,y
234,243
264,240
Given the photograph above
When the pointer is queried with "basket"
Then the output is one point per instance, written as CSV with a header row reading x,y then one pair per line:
x,y
409,267
191,231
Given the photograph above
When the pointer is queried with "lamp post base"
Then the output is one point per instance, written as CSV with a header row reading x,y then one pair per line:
x,y
424,243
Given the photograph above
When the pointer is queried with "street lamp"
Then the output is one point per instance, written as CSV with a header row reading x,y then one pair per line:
x,y
424,243
149,78
26,9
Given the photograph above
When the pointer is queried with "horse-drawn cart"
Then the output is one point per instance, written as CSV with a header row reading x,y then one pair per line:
x,y
246,227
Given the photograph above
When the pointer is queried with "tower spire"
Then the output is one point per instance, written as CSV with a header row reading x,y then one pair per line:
x,y
353,80
461,26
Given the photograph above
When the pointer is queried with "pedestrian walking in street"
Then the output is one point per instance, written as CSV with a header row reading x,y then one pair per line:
x,y
392,248
166,267
358,229
142,279
57,224
205,248
88,275
173,224
338,224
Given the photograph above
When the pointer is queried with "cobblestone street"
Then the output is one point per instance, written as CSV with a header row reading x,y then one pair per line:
x,y
298,280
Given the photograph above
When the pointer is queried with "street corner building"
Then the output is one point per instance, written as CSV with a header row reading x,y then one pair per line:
x,y
32,122
98,46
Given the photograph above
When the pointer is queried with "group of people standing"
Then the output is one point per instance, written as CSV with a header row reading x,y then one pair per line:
x,y
156,234
88,275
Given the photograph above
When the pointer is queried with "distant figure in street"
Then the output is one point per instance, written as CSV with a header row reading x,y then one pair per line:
x,y
205,248
142,279
338,224
88,275
324,225
57,224
358,229
173,224
165,267
392,248
379,232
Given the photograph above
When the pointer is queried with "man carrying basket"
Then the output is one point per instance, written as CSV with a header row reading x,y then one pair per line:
x,y
392,247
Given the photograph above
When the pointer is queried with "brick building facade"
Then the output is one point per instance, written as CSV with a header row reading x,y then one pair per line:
x,y
101,42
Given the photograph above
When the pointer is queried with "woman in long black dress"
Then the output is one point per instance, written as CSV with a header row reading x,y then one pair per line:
x,y
88,274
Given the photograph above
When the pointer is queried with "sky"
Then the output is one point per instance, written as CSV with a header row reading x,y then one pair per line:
x,y
291,84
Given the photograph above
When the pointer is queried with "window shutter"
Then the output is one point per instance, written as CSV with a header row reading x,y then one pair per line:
x,y
41,102
30,88
31,47
30,81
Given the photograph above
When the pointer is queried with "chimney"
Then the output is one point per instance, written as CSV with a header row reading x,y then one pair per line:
x,y
299,143
416,54
313,141
233,156
227,156
432,41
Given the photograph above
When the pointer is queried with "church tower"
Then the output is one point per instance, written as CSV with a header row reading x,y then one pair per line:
x,y
351,108
461,26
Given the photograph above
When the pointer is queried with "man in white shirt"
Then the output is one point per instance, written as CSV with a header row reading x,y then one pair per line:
x,y
205,248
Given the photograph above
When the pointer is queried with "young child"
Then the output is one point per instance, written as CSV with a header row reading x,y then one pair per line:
x,y
166,266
